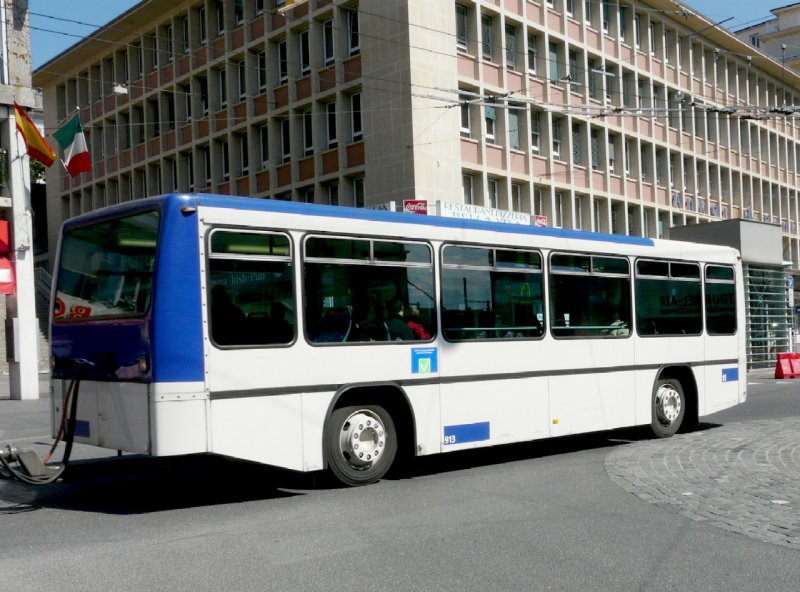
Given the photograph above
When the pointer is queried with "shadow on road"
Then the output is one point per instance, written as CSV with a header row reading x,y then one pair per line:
x,y
137,485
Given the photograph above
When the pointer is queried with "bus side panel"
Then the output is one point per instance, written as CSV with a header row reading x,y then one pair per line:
x,y
265,428
178,416
488,412
110,414
592,384
426,409
723,382
177,331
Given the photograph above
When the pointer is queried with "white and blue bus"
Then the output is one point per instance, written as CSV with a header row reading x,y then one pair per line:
x,y
312,337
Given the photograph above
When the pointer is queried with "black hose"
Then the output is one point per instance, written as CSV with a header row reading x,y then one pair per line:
x,y
69,437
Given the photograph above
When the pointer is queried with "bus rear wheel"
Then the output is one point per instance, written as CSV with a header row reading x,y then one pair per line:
x,y
361,444
669,407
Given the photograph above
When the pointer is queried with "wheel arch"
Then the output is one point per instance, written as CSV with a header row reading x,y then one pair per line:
x,y
685,375
389,395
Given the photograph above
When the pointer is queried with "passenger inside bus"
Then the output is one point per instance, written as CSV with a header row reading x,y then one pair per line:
x,y
413,322
398,328
228,323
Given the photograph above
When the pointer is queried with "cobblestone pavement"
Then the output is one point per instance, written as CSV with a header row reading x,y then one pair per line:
x,y
742,477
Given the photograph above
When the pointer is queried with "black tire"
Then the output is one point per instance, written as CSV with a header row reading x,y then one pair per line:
x,y
668,407
347,429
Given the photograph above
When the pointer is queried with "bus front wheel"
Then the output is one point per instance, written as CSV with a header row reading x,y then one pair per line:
x,y
669,406
361,444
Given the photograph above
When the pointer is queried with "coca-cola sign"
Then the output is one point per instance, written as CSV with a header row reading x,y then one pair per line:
x,y
415,206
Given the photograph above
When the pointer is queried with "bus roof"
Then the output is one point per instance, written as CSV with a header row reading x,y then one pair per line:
x,y
193,200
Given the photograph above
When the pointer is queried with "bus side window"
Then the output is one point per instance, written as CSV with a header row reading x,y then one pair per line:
x,y
254,271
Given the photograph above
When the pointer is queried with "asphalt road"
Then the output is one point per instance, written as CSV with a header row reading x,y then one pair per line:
x,y
554,515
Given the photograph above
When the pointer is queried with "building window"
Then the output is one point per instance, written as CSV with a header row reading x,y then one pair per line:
x,y
487,41
330,124
490,116
187,102
139,63
305,54
259,7
516,197
461,27
238,11
263,140
308,136
226,160
169,41
536,130
222,80
355,116
466,189
577,152
186,37
612,155
242,74
466,115
201,24
573,72
353,41
553,49
220,17
491,193
532,56
629,147
286,141
203,82
358,192
513,128
556,137
206,155
327,41
262,70
244,154
283,63
333,194
538,201
595,140
558,222
511,47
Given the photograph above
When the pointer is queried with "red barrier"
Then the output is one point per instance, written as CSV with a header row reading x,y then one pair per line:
x,y
788,366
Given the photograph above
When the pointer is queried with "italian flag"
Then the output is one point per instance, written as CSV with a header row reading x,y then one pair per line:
x,y
73,142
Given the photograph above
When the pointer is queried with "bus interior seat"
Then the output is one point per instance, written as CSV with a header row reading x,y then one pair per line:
x,y
372,331
335,325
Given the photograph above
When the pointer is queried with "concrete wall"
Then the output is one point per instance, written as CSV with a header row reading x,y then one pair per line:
x,y
758,242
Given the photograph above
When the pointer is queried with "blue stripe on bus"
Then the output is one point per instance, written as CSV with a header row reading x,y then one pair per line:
x,y
467,432
82,428
177,322
730,375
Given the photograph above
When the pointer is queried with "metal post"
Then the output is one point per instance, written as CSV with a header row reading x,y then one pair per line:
x,y
21,307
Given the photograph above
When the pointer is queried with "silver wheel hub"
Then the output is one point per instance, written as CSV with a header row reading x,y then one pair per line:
x,y
362,439
668,404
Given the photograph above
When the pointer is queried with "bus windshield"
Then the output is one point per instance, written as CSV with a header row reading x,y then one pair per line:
x,y
106,269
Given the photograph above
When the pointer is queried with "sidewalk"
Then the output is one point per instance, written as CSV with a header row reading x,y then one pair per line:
x,y
25,420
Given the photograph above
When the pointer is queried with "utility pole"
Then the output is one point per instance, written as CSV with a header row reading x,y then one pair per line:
x,y
15,85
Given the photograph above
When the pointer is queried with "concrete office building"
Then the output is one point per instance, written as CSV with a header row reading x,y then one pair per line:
x,y
777,36
629,118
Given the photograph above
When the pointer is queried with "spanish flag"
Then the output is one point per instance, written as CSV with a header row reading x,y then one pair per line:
x,y
38,147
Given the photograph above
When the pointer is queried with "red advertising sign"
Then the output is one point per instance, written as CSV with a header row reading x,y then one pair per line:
x,y
540,221
415,206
